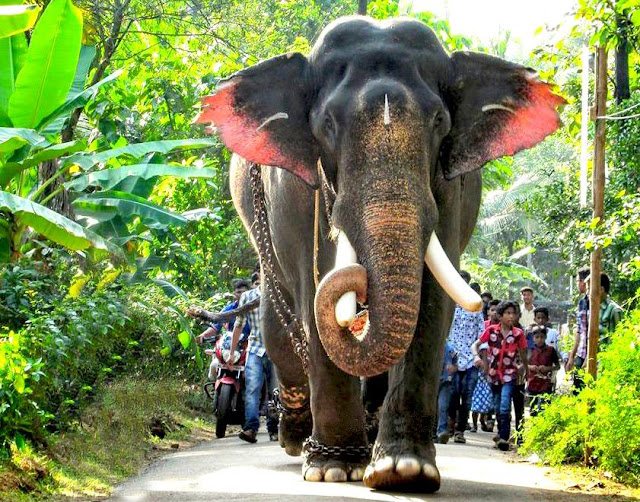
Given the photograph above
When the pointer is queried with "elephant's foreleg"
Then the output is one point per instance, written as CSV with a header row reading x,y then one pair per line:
x,y
338,450
403,456
294,394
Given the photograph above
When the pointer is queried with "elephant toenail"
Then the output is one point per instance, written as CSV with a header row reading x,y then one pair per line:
x,y
431,472
357,474
335,475
384,464
369,472
313,474
408,466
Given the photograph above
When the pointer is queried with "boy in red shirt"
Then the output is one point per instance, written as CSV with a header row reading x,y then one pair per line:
x,y
544,361
505,342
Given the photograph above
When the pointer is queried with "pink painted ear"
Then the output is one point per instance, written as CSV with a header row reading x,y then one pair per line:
x,y
497,108
262,115
530,123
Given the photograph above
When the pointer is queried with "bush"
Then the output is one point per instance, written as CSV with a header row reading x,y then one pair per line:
x,y
19,413
73,332
600,425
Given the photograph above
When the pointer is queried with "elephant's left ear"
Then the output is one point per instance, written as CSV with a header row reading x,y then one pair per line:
x,y
262,114
497,108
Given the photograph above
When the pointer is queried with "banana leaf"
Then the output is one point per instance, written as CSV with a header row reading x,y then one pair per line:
x,y
13,138
46,77
54,226
137,150
111,203
54,122
114,228
11,169
13,52
169,289
110,178
16,19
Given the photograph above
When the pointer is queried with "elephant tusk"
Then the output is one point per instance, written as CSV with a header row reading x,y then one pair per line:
x,y
346,305
387,116
449,278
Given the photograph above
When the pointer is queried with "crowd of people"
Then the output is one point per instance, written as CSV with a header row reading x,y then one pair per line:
x,y
494,361
507,355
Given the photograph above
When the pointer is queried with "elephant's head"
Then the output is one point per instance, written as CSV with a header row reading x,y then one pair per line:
x,y
390,114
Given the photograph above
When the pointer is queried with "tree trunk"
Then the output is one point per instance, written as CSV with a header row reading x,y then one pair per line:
x,y
362,7
622,91
60,203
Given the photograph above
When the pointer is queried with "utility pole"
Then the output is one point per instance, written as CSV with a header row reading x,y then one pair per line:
x,y
584,130
598,209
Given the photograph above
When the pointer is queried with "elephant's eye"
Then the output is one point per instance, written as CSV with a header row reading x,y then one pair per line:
x,y
342,70
437,120
328,124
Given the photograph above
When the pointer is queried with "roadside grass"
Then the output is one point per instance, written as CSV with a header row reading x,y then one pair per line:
x,y
112,440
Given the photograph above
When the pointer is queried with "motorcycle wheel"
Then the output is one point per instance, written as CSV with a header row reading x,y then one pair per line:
x,y
223,410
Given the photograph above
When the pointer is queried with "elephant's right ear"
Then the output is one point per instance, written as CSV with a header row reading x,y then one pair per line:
x,y
262,114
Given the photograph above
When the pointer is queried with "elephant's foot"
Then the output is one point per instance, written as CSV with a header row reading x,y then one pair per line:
x,y
397,468
334,464
296,423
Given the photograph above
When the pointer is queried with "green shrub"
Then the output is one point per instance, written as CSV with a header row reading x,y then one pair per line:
x,y
600,425
20,415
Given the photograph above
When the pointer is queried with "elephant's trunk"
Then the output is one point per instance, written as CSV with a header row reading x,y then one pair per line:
x,y
389,279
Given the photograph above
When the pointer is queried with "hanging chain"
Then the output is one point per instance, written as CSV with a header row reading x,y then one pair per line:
x,y
287,318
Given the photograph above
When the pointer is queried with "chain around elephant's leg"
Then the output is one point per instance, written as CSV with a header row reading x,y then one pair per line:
x,y
334,463
295,417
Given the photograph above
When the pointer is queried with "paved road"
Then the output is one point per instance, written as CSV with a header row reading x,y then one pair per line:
x,y
229,469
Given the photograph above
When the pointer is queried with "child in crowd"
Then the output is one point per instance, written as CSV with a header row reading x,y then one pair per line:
x,y
449,368
543,361
482,400
505,341
541,315
519,391
492,312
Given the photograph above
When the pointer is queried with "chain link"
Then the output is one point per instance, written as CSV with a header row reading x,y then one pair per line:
x,y
287,318
313,447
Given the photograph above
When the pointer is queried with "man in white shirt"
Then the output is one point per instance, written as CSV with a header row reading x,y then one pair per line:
x,y
527,317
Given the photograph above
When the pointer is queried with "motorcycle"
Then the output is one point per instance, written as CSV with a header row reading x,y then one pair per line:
x,y
225,386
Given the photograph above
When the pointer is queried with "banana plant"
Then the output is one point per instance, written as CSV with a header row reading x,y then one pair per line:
x,y
41,83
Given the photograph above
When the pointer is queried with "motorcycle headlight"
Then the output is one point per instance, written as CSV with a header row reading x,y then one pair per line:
x,y
225,354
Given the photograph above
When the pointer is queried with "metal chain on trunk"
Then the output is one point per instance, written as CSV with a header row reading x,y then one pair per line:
x,y
287,318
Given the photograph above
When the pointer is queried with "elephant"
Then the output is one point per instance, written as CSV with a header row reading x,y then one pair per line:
x,y
360,165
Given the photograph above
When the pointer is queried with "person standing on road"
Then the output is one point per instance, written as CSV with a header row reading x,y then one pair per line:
x,y
449,368
258,369
578,354
527,307
543,361
465,329
610,312
505,342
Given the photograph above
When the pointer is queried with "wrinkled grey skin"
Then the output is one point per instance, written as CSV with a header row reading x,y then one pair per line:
x,y
395,185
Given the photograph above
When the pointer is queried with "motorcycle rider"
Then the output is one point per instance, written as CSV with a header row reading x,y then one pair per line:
x,y
239,286
258,369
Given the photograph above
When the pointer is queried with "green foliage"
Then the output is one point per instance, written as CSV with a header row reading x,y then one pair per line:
x,y
600,424
17,19
71,334
20,414
50,65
